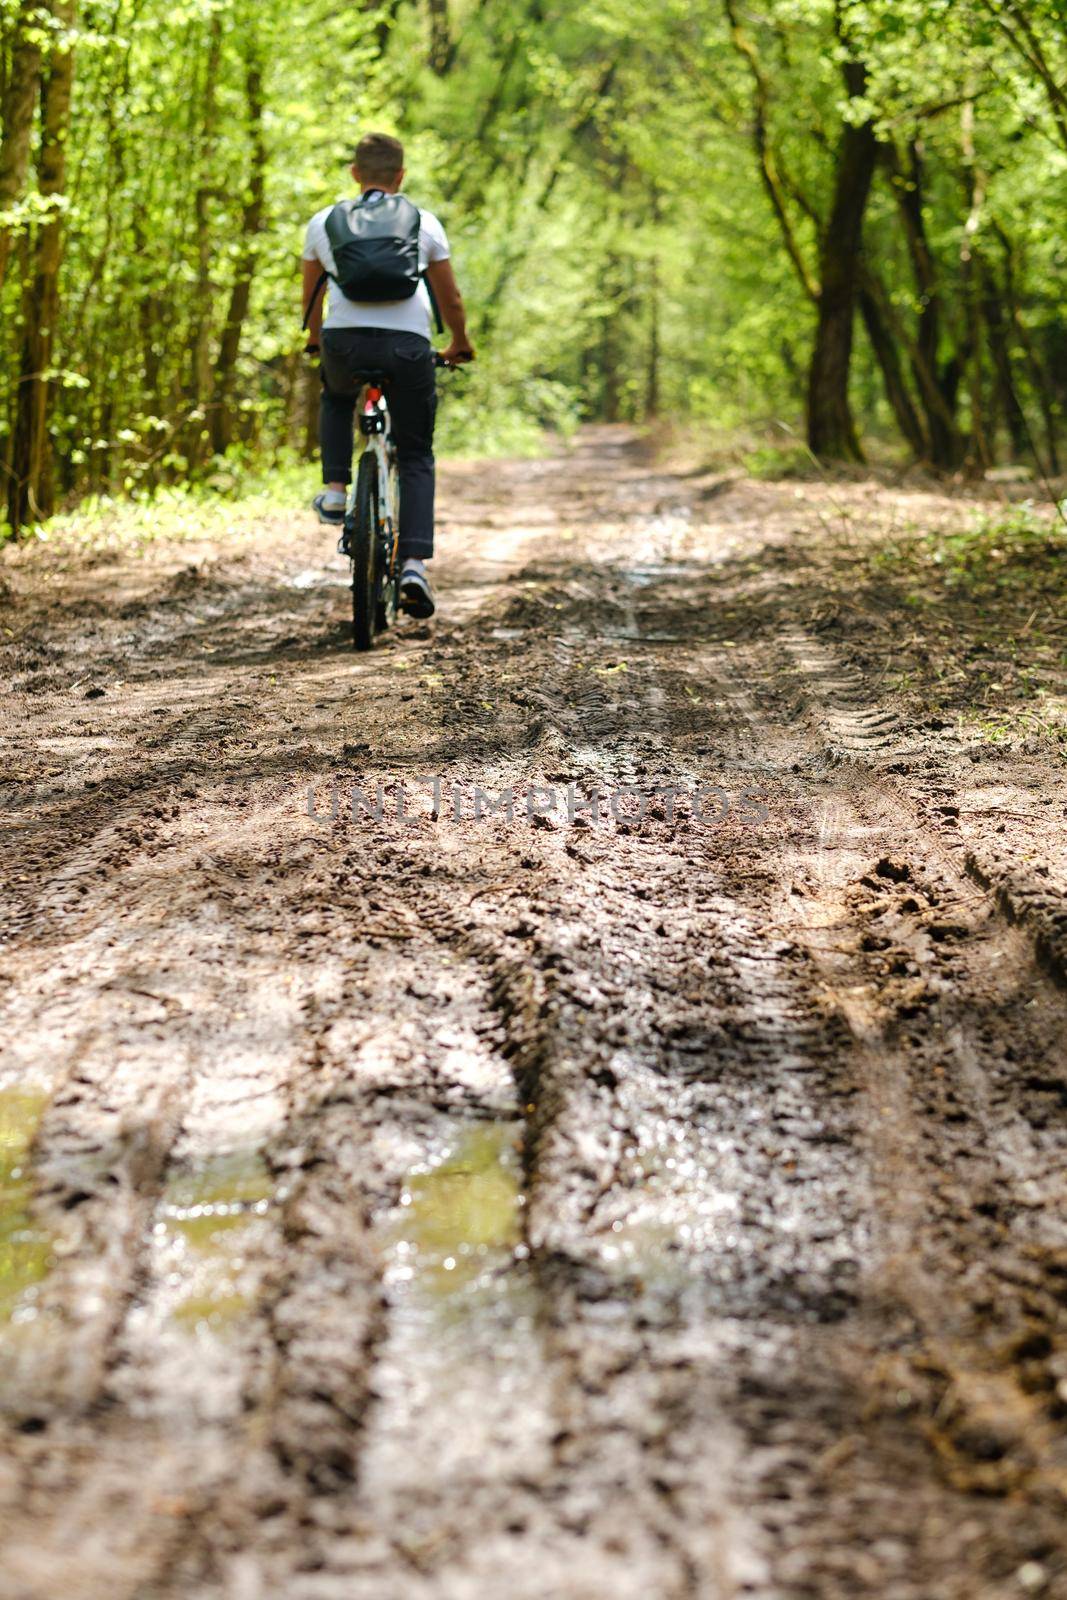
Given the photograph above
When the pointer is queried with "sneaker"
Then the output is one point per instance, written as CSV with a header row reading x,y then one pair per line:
x,y
329,509
416,595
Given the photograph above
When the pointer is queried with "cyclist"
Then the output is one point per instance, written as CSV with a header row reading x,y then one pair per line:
x,y
392,338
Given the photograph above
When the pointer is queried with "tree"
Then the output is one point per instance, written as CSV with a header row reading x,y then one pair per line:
x,y
831,430
31,485
251,225
16,118
847,221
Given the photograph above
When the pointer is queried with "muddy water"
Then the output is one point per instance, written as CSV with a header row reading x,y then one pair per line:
x,y
208,1226
429,1206
458,1222
25,1244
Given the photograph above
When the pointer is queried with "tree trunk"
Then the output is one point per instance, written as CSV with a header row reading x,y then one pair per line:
x,y
982,436
765,155
652,384
609,356
831,430
16,119
241,292
312,393
441,48
936,393
200,343
1045,396
30,486
888,357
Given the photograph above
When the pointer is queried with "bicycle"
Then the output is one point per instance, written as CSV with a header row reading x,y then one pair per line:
x,y
371,533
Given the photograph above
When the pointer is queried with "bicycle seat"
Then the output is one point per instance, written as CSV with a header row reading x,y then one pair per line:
x,y
377,379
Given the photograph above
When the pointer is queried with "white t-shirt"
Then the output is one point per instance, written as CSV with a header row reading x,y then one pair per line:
x,y
414,315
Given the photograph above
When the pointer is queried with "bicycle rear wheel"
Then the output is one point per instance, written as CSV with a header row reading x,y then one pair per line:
x,y
363,550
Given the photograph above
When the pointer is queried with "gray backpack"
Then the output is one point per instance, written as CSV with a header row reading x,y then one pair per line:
x,y
375,246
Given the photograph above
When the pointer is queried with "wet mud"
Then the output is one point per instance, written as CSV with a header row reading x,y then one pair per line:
x,y
572,1103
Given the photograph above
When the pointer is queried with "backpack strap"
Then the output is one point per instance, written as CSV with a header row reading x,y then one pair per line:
x,y
433,303
313,302
324,277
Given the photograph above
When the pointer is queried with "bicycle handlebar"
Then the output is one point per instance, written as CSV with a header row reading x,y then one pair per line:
x,y
438,359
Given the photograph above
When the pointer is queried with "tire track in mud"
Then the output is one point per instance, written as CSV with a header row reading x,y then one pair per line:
x,y
839,703
150,1194
604,1334
380,1099
892,830
564,1539
129,1371
983,1312
648,1207
910,966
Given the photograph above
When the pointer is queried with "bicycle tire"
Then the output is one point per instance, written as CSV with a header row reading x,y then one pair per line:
x,y
389,588
363,551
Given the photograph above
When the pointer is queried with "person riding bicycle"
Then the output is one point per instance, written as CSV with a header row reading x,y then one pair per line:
x,y
390,337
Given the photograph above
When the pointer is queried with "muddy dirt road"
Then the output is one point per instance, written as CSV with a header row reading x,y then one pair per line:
x,y
399,1202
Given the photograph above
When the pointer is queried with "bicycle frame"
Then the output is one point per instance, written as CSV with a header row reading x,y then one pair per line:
x,y
374,426
371,537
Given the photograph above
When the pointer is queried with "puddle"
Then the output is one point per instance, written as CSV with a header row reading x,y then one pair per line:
x,y
207,1240
460,1379
25,1247
459,1221
676,1209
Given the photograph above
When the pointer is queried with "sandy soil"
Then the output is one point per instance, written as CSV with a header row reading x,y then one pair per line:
x,y
399,1202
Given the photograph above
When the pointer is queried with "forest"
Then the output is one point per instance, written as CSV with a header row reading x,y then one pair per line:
x,y
541,1078
834,219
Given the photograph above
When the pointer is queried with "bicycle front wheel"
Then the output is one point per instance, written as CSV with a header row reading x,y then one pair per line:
x,y
363,549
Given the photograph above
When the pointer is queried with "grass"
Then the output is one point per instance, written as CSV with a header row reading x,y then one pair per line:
x,y
988,599
245,488
769,462
176,513
1009,557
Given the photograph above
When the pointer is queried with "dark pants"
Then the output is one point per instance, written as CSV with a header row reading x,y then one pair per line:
x,y
406,359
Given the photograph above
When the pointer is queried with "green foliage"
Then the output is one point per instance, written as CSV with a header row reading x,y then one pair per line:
x,y
986,602
1017,556
178,513
635,202
779,461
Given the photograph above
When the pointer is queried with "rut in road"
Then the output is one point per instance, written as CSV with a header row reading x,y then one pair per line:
x,y
648,1199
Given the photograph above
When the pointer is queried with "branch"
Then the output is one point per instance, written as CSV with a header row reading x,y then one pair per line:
x,y
512,259
935,108
1026,43
769,172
